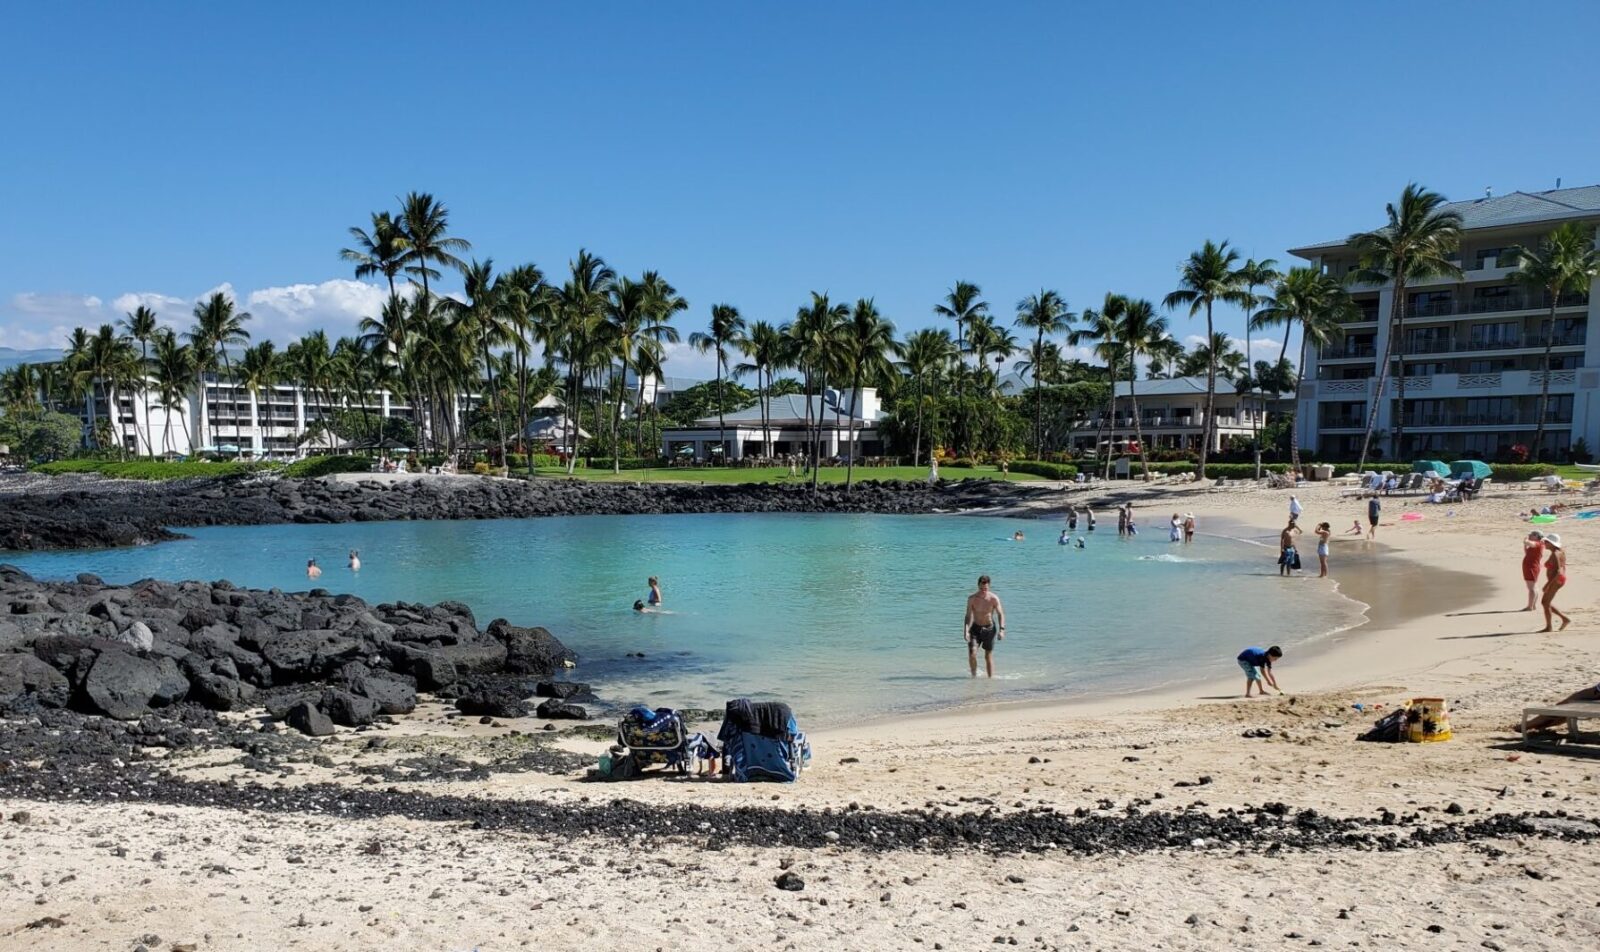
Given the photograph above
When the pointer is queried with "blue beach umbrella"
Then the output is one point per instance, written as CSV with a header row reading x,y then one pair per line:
x,y
1476,468
1436,467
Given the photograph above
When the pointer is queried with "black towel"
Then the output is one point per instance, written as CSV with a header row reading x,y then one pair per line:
x,y
767,718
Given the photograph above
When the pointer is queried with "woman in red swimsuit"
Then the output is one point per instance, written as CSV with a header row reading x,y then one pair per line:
x,y
1555,571
1532,555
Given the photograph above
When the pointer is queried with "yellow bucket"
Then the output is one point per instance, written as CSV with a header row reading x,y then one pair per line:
x,y
1427,720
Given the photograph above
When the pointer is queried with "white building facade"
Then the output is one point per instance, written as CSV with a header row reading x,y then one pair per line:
x,y
1474,347
849,421
1172,414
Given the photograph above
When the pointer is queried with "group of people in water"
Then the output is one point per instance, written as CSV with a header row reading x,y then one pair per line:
x,y
314,571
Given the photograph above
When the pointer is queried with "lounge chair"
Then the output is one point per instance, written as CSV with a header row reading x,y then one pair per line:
x,y
659,738
1573,713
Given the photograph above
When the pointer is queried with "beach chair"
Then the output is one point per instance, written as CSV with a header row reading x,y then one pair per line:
x,y
659,738
761,741
1573,713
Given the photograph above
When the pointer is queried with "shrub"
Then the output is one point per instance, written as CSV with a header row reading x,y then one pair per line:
x,y
1242,470
1520,472
480,468
628,462
1048,470
149,470
315,466
960,462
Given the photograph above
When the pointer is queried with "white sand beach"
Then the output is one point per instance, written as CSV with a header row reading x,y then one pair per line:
x,y
1444,622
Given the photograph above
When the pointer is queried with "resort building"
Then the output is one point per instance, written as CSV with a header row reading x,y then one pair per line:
x,y
1474,347
1172,413
230,419
740,434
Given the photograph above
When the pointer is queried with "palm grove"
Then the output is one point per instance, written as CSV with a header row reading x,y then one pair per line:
x,y
592,338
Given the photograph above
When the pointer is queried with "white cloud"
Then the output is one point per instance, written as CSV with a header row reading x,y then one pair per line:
x,y
336,306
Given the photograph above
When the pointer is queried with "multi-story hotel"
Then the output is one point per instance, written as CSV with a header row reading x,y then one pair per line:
x,y
1474,346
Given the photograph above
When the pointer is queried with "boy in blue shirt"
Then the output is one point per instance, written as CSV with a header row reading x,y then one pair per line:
x,y
1257,666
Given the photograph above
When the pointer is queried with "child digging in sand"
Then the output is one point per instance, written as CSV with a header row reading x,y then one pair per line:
x,y
1257,666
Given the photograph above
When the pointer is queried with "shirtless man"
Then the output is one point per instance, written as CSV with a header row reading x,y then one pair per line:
x,y
313,570
985,623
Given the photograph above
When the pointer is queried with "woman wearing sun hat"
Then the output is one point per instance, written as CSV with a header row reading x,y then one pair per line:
x,y
1555,572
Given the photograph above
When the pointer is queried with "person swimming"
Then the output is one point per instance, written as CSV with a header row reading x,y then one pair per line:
x,y
1080,543
1064,540
312,569
355,560
1016,536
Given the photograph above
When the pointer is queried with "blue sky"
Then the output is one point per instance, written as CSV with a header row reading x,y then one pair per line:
x,y
750,152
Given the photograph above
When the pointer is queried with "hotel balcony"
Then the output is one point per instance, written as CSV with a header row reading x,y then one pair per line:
x,y
1446,421
1451,345
1494,305
1507,382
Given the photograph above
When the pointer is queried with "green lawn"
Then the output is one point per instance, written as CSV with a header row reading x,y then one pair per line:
x,y
1573,472
779,474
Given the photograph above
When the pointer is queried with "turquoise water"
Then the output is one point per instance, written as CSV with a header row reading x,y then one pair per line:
x,y
842,616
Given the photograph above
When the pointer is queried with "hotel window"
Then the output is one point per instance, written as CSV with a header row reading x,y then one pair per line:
x,y
1559,411
1426,303
1491,366
1489,411
1487,336
1571,330
1428,340
1566,361
1480,445
1487,253
1426,368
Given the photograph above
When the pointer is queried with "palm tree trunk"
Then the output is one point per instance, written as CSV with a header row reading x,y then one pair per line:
x,y
615,399
722,423
1211,393
1395,308
1294,431
766,412
850,464
916,452
1038,399
1138,425
1399,443
1255,421
1544,388
1111,421
499,417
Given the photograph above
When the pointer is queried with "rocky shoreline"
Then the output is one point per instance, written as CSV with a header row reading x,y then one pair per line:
x,y
312,659
73,512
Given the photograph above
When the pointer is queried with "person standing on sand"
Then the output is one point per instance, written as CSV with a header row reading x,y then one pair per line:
x,y
312,569
1324,532
1374,510
983,625
1295,509
1555,576
1532,560
1257,665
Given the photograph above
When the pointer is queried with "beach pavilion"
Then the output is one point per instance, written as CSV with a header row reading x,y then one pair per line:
x,y
788,419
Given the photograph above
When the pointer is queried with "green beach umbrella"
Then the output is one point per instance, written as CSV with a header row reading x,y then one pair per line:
x,y
1436,467
1476,468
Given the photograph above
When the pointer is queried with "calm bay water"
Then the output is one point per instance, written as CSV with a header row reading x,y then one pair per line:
x,y
841,616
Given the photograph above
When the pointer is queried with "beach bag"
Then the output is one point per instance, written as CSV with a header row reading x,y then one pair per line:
x,y
1389,729
751,758
1427,720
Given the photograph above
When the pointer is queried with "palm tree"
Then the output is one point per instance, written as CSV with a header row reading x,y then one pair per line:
x,y
173,368
72,361
1166,357
1205,278
1141,332
527,300
1046,314
108,361
627,313
1253,274
310,361
260,367
482,319
1321,306
387,338
382,251
575,332
868,345
423,225
962,304
662,301
725,332
1564,263
1415,245
1101,330
141,326
766,348
814,347
217,327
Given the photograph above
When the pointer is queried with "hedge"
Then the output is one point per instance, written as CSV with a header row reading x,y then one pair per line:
x,y
628,462
1520,472
315,466
150,470
1035,467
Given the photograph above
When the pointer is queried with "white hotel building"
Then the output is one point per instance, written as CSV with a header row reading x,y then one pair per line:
x,y
1474,346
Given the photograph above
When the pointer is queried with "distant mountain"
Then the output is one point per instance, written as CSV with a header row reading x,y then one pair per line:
x,y
10,357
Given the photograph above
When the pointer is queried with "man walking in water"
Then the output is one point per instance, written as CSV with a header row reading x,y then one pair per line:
x,y
984,624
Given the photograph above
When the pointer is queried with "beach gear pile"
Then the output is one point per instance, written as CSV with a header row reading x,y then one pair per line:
x,y
761,741
1421,720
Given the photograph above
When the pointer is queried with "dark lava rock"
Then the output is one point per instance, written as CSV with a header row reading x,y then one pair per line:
x,y
555,709
564,690
493,701
789,882
348,709
433,671
531,650
24,677
392,695
120,685
306,718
